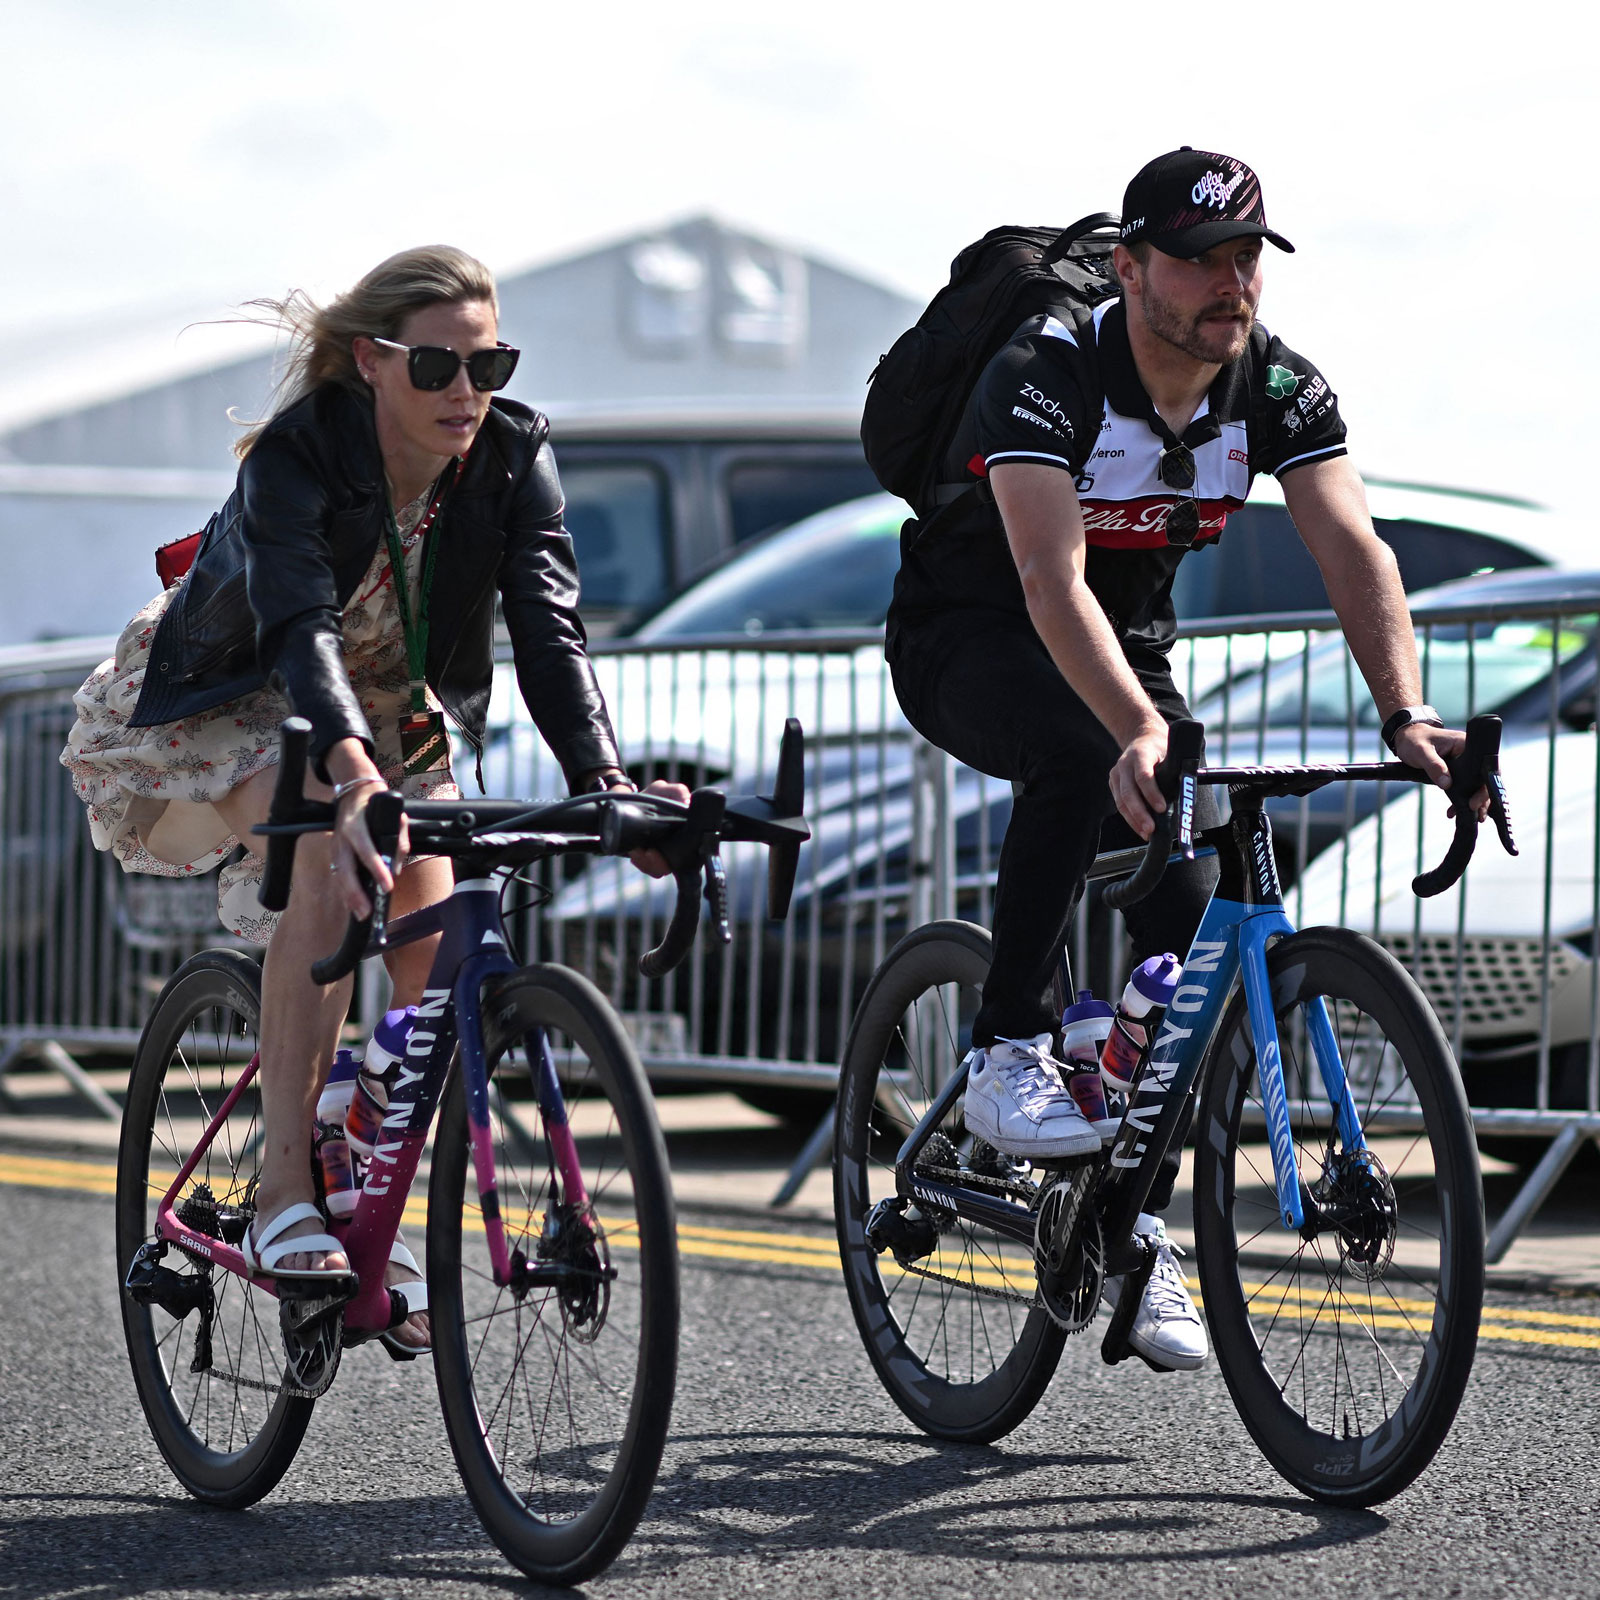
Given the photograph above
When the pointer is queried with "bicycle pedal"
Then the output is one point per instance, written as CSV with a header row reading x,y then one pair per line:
x,y
304,1308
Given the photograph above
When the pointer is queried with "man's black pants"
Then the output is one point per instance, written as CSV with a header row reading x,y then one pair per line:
x,y
981,685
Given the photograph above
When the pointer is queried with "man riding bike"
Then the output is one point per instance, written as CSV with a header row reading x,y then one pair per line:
x,y
1032,620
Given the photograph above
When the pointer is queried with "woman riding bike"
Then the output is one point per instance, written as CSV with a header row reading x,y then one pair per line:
x,y
350,578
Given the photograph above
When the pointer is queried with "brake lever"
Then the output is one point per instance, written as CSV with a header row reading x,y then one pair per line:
x,y
1500,813
1174,827
1476,767
717,896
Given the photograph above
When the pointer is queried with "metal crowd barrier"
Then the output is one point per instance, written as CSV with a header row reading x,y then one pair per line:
x,y
903,834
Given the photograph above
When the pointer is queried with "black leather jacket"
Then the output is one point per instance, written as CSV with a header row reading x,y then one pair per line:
x,y
262,602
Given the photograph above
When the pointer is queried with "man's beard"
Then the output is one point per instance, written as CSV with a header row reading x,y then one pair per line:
x,y
1196,336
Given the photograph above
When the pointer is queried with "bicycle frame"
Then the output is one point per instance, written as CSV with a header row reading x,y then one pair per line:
x,y
472,950
1243,916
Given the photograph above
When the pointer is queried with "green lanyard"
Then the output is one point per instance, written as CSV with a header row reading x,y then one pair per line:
x,y
416,630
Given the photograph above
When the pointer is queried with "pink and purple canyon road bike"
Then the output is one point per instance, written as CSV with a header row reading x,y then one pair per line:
x,y
552,1271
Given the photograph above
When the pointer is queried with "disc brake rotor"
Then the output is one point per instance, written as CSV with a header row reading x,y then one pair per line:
x,y
1359,1186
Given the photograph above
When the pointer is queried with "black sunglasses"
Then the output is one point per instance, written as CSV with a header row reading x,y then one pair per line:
x,y
432,366
1177,471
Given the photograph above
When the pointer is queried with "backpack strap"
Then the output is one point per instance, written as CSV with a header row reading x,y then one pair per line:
x,y
1083,325
1064,241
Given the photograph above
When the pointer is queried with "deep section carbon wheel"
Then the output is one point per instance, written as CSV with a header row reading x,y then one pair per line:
x,y
557,1389
949,1312
1346,1346
205,1346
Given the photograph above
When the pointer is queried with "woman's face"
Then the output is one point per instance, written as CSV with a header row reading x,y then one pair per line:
x,y
434,422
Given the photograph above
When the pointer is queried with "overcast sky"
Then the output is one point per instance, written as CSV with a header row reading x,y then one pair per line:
x,y
1436,166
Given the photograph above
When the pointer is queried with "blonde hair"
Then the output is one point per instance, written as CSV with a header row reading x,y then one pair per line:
x,y
319,336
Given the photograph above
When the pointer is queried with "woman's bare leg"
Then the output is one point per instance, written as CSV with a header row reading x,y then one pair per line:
x,y
300,1020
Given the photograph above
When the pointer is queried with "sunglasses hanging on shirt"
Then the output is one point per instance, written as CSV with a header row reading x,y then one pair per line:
x,y
432,366
1177,470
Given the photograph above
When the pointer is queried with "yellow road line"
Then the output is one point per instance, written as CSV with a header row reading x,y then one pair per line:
x,y
1505,1324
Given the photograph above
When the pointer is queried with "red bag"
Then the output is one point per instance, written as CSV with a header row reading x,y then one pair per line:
x,y
175,559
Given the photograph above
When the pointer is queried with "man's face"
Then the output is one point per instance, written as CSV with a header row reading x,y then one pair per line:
x,y
1204,307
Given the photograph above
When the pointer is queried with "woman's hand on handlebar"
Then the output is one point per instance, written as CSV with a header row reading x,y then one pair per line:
x,y
352,842
649,861
1133,780
652,861
1428,749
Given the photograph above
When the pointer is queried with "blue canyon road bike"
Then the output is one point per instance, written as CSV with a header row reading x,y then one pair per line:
x,y
1338,1206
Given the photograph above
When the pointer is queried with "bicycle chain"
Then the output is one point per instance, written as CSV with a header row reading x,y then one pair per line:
x,y
1032,1300
1025,1192
294,1391
992,1185
1013,1189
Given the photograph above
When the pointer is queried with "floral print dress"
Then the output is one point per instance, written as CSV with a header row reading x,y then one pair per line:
x,y
149,791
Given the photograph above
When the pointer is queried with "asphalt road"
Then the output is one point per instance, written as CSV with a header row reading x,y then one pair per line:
x,y
788,1471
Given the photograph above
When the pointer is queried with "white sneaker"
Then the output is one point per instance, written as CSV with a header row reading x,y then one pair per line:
x,y
1167,1331
1017,1101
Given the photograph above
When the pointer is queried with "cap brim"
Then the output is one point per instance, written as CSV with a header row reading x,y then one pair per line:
x,y
1188,243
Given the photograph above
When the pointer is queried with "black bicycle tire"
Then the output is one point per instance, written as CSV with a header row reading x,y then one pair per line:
x,y
975,1413
574,1550
1369,1467
222,1478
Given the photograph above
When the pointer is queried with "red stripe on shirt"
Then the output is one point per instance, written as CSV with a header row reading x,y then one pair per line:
x,y
1141,524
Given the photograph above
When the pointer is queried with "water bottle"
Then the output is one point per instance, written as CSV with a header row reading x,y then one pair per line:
x,y
1084,1026
1149,989
370,1102
331,1153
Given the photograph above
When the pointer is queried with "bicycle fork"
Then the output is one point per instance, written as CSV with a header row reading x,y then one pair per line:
x,y
1254,933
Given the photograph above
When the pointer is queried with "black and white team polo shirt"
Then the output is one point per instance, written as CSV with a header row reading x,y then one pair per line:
x,y
1042,400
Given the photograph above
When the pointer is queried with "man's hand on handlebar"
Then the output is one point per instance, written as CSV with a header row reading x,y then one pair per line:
x,y
1428,749
1133,780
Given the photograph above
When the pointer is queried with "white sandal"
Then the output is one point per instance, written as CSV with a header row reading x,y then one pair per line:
x,y
263,1255
415,1294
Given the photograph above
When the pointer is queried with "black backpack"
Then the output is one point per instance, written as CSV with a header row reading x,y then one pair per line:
x,y
919,390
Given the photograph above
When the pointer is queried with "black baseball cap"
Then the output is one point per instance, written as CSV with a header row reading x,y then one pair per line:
x,y
1188,200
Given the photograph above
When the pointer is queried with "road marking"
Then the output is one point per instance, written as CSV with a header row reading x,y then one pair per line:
x,y
774,1247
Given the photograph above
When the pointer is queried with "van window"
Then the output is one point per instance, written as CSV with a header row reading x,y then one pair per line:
x,y
1260,565
763,495
617,516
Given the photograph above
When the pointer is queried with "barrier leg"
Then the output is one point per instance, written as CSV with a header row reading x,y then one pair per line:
x,y
810,1158
1535,1191
51,1054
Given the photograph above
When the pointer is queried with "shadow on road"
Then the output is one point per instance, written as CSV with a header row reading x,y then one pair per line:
x,y
722,1495
823,1491
96,1546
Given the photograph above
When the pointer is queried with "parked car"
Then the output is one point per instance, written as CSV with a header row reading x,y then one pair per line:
x,y
1311,704
856,883
836,570
1508,948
